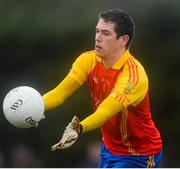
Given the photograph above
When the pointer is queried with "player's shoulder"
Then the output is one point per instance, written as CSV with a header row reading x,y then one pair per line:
x,y
86,59
134,63
91,53
88,56
135,70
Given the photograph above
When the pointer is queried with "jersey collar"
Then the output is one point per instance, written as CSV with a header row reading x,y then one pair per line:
x,y
121,61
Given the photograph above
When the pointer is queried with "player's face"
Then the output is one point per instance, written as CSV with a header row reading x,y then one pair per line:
x,y
106,42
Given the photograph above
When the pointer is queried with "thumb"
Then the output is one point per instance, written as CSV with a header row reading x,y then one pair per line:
x,y
75,121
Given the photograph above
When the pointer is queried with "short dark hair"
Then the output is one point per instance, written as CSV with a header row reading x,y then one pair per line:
x,y
124,24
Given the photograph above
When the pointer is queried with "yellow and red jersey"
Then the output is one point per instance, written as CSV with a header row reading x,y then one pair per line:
x,y
120,101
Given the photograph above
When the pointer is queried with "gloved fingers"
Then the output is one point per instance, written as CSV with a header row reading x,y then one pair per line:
x,y
56,146
63,144
43,117
36,125
70,135
67,144
60,145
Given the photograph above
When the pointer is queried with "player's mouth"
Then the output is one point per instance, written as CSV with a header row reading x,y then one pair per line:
x,y
97,47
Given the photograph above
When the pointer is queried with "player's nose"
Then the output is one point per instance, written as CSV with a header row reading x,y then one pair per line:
x,y
98,37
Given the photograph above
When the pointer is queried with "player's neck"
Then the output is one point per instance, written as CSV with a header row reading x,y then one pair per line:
x,y
110,60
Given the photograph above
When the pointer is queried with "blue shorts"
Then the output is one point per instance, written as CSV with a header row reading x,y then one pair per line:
x,y
109,160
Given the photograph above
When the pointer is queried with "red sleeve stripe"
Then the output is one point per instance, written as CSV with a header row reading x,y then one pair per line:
x,y
133,72
130,72
136,70
120,98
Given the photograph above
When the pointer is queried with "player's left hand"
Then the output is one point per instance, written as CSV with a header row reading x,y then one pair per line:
x,y
70,135
37,124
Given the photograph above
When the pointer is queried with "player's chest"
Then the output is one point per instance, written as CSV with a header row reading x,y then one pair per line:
x,y
102,80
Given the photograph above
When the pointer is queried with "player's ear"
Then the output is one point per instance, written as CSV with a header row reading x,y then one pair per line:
x,y
124,39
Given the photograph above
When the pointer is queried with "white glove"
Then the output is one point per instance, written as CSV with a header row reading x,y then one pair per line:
x,y
70,135
36,125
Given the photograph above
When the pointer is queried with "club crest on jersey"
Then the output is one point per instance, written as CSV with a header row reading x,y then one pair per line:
x,y
128,89
95,80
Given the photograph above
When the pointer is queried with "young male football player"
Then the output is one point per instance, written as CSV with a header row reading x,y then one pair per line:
x,y
119,90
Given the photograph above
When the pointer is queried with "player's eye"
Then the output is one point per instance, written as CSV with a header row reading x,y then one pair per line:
x,y
106,33
96,31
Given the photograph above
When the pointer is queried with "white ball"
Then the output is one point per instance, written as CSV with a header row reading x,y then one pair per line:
x,y
23,107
